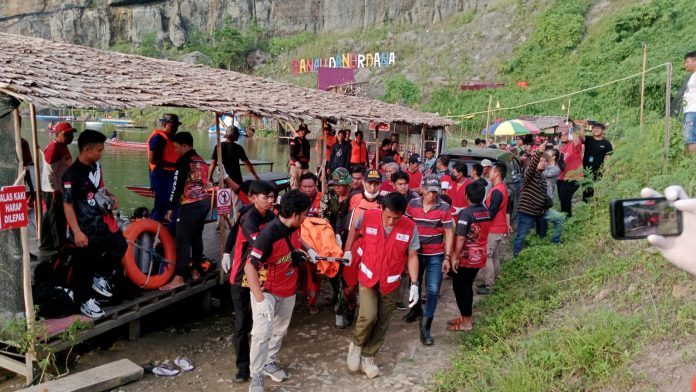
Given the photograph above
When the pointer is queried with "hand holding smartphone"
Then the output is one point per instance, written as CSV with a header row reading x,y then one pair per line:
x,y
633,219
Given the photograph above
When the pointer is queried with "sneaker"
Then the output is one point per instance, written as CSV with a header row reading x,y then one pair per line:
x,y
369,367
242,376
483,290
401,306
353,357
274,371
92,309
256,384
102,286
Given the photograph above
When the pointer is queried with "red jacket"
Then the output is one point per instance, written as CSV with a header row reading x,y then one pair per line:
x,y
457,192
384,258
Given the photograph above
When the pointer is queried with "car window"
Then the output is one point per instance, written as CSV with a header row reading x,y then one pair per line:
x,y
514,168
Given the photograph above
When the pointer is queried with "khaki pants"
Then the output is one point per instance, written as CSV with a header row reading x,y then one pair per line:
x,y
490,272
373,319
267,336
295,173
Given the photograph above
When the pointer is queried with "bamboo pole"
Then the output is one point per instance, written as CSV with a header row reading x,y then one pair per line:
x,y
26,266
221,184
642,83
568,113
488,116
668,94
322,155
37,161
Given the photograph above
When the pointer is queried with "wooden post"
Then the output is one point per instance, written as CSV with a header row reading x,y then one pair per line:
x,y
642,84
568,113
322,155
488,116
37,173
668,95
26,266
221,184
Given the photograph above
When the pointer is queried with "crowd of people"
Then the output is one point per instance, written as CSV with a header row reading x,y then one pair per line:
x,y
400,224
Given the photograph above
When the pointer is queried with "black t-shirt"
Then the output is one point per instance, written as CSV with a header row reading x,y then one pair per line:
x,y
595,151
81,183
299,149
232,153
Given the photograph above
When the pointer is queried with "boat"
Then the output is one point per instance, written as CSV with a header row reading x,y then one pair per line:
x,y
226,121
48,117
93,124
116,121
125,144
281,181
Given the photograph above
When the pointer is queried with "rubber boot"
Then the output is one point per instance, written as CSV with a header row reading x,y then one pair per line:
x,y
425,336
414,314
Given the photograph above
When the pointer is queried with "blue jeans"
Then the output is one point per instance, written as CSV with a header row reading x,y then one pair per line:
x,y
524,224
432,267
690,128
558,219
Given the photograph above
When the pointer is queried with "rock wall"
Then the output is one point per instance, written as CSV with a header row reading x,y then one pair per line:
x,y
99,23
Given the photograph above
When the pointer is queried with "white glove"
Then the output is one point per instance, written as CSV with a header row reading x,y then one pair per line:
x,y
348,255
265,309
312,256
678,250
338,241
226,262
413,296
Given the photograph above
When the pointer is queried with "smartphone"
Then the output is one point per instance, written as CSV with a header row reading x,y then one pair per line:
x,y
633,219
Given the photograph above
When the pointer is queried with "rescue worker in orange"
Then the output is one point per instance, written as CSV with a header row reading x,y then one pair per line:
x,y
358,150
390,242
368,199
308,186
162,159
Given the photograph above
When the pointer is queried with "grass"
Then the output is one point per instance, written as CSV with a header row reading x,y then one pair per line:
x,y
580,316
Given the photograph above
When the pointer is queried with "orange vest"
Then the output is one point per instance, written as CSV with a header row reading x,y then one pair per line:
x,y
383,257
330,141
168,155
358,153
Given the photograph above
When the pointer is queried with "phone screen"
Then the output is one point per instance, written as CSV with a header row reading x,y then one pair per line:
x,y
638,218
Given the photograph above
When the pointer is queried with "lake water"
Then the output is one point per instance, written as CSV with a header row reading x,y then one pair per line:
x,y
129,167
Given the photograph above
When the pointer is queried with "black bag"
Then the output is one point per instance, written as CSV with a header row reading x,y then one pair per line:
x,y
561,162
53,301
548,203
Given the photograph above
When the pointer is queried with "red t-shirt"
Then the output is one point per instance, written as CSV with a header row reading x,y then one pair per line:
x,y
572,156
271,249
415,179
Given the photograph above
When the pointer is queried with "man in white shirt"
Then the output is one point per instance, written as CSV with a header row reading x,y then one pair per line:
x,y
690,104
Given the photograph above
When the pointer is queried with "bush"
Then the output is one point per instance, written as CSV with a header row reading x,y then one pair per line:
x,y
401,90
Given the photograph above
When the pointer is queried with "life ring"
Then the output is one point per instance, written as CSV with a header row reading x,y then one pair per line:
x,y
148,279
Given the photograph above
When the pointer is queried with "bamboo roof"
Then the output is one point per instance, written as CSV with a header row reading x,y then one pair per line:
x,y
56,74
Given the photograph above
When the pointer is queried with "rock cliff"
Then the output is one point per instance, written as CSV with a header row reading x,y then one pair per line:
x,y
100,23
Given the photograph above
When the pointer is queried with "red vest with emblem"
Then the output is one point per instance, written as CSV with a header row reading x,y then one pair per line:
x,y
315,208
499,223
384,258
168,154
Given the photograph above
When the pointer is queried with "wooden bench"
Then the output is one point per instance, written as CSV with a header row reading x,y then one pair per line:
x,y
100,378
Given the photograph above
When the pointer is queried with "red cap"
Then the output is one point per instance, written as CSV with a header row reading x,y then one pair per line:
x,y
63,127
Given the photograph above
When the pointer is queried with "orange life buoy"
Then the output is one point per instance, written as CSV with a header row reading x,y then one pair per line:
x,y
152,279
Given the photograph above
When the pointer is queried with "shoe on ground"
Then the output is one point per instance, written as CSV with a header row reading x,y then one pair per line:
x,y
349,318
313,309
353,357
102,286
91,308
256,384
274,371
241,377
414,314
400,306
369,367
483,290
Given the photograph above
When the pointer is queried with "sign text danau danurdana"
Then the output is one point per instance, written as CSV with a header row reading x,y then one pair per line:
x,y
345,60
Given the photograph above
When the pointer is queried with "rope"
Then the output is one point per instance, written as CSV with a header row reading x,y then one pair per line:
x,y
561,96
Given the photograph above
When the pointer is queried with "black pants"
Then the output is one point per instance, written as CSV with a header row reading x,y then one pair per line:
x,y
462,283
53,223
189,235
566,190
99,257
241,300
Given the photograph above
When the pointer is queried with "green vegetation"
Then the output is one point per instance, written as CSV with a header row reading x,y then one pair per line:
x,y
402,91
278,45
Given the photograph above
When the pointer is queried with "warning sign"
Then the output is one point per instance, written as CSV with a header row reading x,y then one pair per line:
x,y
224,201
13,207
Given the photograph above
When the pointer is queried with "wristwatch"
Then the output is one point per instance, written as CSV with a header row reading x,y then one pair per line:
x,y
414,283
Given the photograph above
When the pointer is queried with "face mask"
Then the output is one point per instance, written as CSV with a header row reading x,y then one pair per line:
x,y
370,196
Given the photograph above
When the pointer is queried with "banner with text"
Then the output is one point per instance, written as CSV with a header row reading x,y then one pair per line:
x,y
344,60
13,207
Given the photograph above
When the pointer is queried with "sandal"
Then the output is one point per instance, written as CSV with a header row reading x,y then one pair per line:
x,y
184,364
457,320
459,327
166,370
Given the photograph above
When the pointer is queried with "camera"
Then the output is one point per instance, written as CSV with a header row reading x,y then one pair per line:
x,y
638,218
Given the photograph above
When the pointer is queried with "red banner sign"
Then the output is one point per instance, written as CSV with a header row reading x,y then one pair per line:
x,y
13,207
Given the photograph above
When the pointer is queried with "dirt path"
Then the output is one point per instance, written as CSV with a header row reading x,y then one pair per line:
x,y
313,354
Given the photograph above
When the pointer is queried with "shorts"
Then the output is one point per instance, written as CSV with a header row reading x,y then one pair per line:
x,y
690,128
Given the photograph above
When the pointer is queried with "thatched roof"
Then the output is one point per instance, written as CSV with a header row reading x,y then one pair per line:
x,y
55,74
